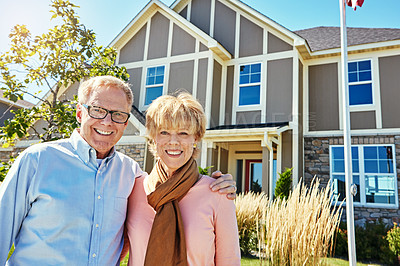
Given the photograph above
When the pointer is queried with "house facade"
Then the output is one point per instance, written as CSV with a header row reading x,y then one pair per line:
x,y
273,97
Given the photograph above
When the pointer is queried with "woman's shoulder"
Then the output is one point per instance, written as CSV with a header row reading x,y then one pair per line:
x,y
202,187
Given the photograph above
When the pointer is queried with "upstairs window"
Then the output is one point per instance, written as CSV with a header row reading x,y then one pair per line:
x,y
360,83
154,83
250,84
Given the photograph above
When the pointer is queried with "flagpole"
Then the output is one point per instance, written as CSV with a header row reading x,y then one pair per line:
x,y
347,137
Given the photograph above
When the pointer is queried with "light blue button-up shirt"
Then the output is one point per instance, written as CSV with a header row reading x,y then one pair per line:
x,y
59,207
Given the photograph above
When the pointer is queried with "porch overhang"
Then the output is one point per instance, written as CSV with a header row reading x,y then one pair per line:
x,y
265,133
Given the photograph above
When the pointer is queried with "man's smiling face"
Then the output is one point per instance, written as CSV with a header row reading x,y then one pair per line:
x,y
103,134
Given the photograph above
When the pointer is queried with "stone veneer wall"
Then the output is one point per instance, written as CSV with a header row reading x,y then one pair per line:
x,y
135,151
316,163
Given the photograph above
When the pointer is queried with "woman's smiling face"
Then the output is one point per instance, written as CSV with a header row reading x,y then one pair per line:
x,y
174,148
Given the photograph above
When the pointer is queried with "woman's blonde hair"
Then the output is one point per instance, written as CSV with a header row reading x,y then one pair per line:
x,y
175,112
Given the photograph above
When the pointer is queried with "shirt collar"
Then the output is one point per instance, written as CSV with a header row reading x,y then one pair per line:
x,y
86,152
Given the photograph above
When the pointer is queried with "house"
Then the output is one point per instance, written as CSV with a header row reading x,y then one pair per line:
x,y
272,96
6,106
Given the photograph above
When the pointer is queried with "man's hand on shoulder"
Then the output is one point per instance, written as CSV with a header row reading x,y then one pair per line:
x,y
224,184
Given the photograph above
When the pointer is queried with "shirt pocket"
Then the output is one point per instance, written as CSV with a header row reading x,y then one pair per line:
x,y
120,205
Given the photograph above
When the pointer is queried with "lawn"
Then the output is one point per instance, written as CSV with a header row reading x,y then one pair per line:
x,y
255,262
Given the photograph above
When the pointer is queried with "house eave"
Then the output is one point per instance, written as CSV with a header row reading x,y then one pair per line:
x,y
354,49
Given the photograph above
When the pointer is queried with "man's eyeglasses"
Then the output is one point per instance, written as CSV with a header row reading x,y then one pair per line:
x,y
100,113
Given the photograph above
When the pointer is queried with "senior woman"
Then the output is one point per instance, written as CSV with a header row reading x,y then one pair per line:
x,y
173,217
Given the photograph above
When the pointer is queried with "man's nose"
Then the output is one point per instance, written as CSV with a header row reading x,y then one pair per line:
x,y
107,119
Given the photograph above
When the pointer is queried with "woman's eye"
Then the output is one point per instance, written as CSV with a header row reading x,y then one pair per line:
x,y
183,133
163,133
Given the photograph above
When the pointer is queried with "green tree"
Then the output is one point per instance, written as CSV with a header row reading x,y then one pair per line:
x,y
284,184
66,54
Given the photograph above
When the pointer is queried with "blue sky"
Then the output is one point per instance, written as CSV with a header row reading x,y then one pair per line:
x,y
108,18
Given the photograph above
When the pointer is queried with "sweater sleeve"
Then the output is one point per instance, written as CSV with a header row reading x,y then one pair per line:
x,y
227,250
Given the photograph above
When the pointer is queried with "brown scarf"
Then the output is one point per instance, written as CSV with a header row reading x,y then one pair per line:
x,y
167,244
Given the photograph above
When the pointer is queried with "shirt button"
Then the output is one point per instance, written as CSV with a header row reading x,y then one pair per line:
x,y
98,197
94,255
97,225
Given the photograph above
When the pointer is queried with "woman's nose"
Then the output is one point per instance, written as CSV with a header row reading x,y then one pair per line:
x,y
174,138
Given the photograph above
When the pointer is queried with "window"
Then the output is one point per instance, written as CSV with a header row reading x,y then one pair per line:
x,y
154,83
249,84
360,83
373,173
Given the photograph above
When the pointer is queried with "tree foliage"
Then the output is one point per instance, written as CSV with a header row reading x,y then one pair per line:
x,y
284,184
64,55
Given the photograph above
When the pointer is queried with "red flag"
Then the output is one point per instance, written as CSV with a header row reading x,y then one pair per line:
x,y
355,3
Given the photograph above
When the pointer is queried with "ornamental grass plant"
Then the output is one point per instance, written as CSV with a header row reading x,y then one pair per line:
x,y
300,230
250,208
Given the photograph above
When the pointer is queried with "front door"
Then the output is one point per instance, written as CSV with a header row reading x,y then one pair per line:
x,y
253,175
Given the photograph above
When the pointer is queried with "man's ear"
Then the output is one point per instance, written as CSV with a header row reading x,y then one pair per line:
x,y
79,113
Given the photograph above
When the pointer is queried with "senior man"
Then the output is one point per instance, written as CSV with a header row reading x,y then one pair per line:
x,y
64,202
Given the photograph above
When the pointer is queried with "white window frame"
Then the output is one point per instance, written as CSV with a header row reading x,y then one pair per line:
x,y
145,86
250,107
362,107
362,174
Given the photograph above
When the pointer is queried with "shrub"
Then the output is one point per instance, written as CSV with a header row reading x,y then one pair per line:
x,y
284,184
204,171
371,243
341,243
393,237
300,230
249,210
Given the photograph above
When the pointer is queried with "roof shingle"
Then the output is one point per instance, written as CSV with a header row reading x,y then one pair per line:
x,y
323,38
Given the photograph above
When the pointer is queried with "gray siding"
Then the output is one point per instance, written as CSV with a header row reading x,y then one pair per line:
x,y
251,38
277,45
279,90
181,76
183,13
265,170
182,42
158,41
216,94
200,14
203,47
133,50
389,77
287,150
248,118
224,161
135,79
202,81
323,97
363,120
224,29
71,91
229,94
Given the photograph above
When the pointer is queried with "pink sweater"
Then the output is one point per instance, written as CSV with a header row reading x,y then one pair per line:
x,y
209,219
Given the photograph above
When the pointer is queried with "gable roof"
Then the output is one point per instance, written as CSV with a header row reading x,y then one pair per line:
x,y
324,38
149,10
178,5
